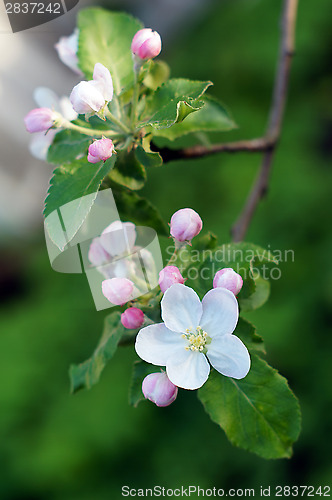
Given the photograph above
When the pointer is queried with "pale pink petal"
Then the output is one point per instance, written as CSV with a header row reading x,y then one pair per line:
x,y
156,344
181,308
229,356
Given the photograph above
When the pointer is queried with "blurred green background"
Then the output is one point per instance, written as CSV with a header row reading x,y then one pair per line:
x,y
56,446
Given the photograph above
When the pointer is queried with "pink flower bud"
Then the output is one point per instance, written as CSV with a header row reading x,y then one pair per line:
x,y
39,120
100,150
228,278
185,224
97,254
117,290
86,97
102,76
159,389
168,276
67,48
132,318
146,44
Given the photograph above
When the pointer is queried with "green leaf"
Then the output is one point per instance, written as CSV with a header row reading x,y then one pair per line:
x,y
258,297
67,145
128,171
247,333
140,371
258,413
213,117
73,181
138,210
87,374
105,37
157,74
148,158
172,102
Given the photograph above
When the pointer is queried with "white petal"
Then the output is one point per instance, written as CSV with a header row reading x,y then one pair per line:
x,y
229,356
67,109
46,98
220,312
188,369
40,143
102,75
156,344
181,308
119,238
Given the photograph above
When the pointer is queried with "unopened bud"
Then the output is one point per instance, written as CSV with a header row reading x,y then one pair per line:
x,y
169,276
100,150
118,290
185,224
40,120
159,389
228,278
86,97
132,318
146,44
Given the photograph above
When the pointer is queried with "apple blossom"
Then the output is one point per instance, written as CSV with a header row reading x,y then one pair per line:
x,y
100,150
67,48
169,276
228,278
185,224
132,318
118,290
146,44
194,334
92,96
159,389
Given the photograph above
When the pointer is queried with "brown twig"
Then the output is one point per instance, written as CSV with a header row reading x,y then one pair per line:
x,y
260,186
266,144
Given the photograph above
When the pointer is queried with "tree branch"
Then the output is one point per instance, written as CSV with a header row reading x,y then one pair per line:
x,y
260,186
268,142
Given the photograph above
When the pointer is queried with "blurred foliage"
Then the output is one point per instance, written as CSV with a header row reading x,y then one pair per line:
x,y
87,446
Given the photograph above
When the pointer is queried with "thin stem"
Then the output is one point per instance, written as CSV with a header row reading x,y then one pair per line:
x,y
90,131
117,122
134,101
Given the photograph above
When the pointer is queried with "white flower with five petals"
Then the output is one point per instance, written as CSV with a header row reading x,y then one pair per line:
x,y
193,334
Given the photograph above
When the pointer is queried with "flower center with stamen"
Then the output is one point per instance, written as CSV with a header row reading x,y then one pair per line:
x,y
197,339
